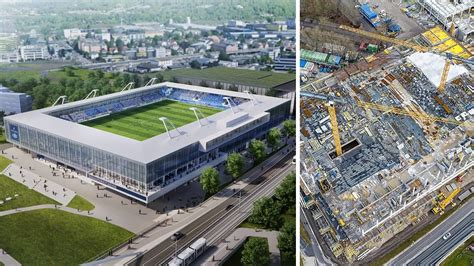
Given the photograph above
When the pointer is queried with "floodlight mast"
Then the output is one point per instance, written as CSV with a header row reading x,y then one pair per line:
x,y
60,98
198,113
166,120
230,102
91,94
128,86
252,97
150,82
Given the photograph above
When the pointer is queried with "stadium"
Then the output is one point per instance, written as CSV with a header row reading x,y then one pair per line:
x,y
145,142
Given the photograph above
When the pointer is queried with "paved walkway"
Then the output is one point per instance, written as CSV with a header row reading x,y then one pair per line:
x,y
179,221
33,181
233,242
7,259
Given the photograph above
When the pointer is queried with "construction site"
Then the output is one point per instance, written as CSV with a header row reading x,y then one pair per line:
x,y
387,140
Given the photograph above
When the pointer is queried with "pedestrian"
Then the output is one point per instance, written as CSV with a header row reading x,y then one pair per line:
x,y
97,195
139,211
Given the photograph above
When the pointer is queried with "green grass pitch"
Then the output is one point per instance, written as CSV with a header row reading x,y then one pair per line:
x,y
143,122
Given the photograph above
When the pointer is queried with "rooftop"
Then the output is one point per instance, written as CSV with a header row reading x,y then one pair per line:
x,y
264,79
156,147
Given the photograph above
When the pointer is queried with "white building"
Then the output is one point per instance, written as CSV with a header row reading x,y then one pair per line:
x,y
34,52
73,33
447,12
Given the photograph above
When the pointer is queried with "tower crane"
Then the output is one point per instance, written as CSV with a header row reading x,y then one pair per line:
x,y
419,48
334,127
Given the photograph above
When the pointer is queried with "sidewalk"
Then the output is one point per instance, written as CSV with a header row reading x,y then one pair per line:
x,y
178,221
235,240
33,181
7,259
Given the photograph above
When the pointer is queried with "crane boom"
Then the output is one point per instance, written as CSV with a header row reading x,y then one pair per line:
x,y
444,76
372,35
414,114
334,127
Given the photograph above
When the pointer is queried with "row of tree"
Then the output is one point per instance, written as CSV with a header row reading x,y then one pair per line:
x,y
210,179
73,83
267,213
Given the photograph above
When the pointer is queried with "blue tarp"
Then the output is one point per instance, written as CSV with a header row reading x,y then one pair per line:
x,y
394,28
367,11
303,63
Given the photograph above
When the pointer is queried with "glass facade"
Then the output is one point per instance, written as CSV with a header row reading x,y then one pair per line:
x,y
129,173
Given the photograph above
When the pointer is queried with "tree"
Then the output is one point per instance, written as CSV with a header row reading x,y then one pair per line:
x,y
203,83
287,241
285,193
235,164
257,149
120,44
273,138
271,92
256,252
100,74
195,64
233,87
159,78
223,56
70,72
289,128
210,181
266,212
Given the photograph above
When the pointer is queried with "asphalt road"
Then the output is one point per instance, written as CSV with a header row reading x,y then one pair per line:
x,y
432,247
219,222
321,258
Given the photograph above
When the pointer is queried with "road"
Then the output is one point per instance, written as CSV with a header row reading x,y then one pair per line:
x,y
321,258
219,222
432,247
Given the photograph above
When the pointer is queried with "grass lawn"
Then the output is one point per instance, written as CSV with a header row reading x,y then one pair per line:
x,y
143,122
55,237
394,252
2,137
265,79
461,256
4,162
27,197
80,203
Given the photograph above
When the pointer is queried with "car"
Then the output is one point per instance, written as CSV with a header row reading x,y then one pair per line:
x,y
230,206
177,236
446,236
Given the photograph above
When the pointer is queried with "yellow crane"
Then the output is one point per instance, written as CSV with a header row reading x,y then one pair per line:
x,y
372,35
443,202
415,114
444,76
416,47
334,127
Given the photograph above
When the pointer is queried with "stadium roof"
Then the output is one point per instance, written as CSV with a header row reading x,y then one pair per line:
x,y
158,146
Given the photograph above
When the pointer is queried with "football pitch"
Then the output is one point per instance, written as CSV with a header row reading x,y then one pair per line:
x,y
143,122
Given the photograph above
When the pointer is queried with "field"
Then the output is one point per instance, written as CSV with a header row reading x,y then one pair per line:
x,y
143,123
27,197
462,256
55,237
265,79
